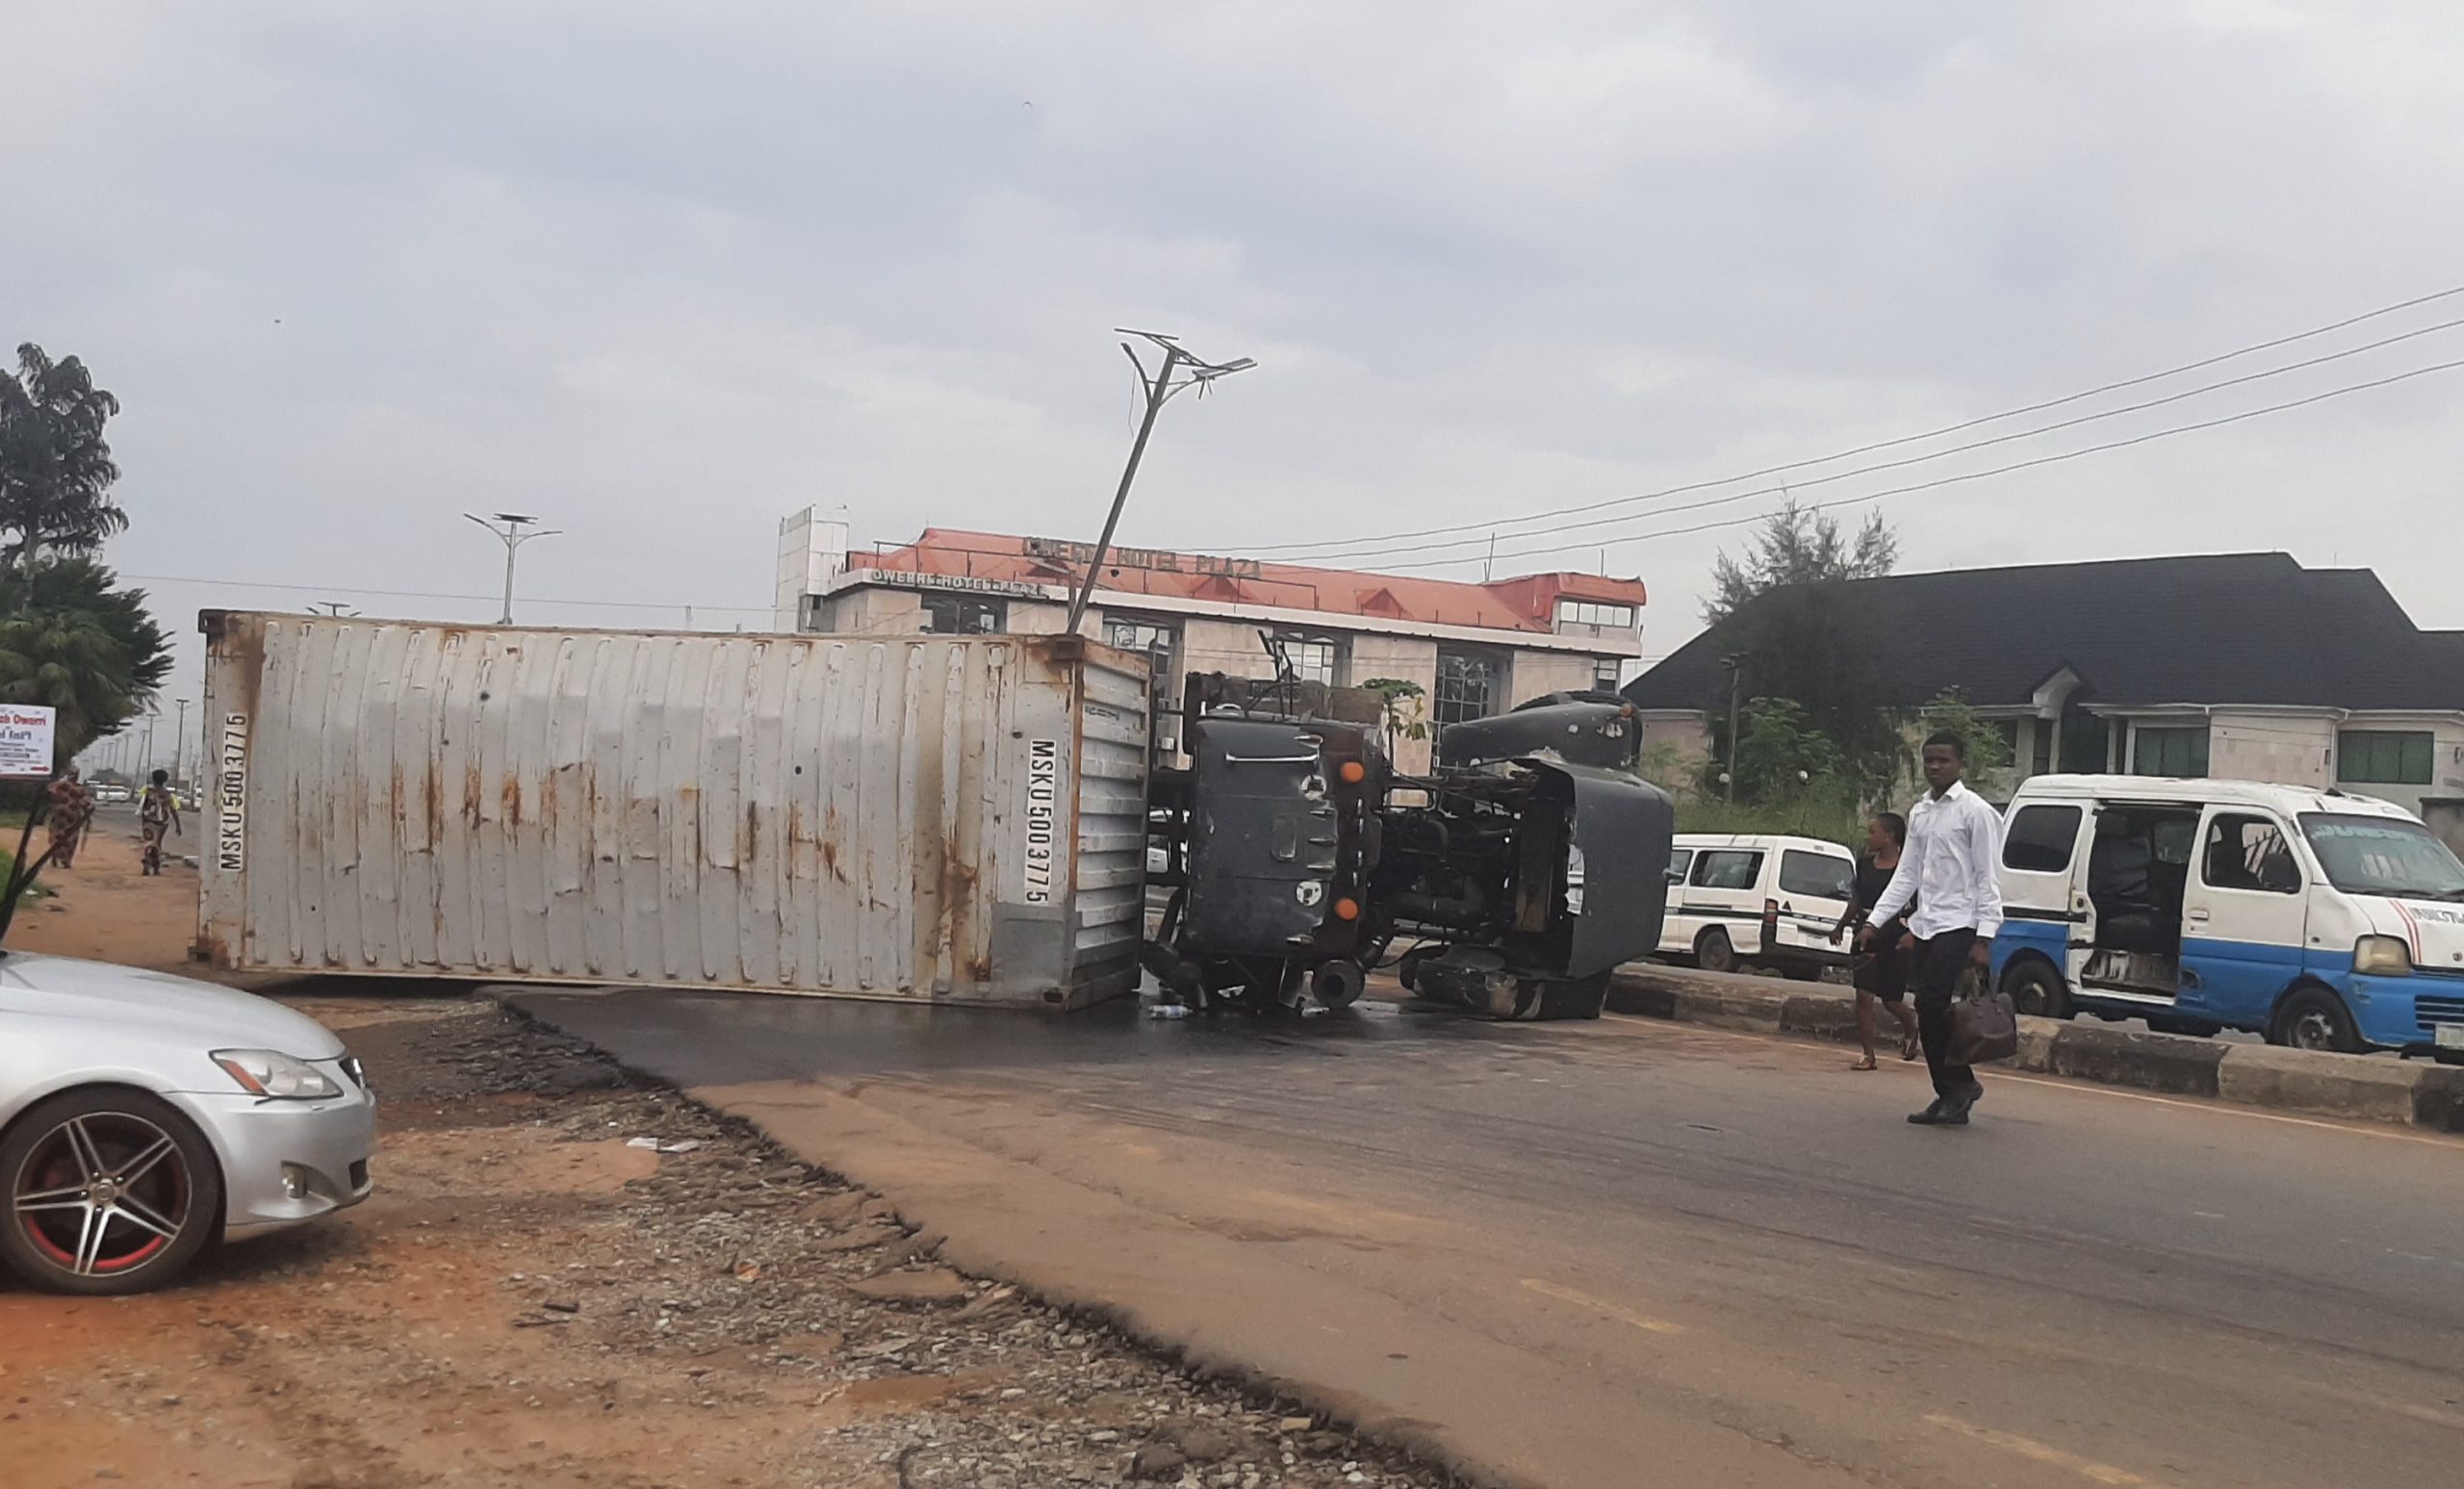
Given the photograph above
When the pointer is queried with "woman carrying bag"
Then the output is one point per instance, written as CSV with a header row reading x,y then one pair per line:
x,y
1880,974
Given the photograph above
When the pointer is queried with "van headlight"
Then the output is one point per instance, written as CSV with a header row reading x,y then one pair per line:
x,y
2382,956
275,1076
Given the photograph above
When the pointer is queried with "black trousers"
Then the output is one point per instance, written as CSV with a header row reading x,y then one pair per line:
x,y
1933,977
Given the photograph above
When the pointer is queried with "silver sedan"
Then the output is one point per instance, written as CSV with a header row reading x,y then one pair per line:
x,y
144,1116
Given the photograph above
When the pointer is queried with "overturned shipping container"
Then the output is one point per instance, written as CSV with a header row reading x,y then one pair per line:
x,y
951,819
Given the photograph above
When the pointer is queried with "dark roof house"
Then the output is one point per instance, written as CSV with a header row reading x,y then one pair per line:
x,y
2224,629
2240,665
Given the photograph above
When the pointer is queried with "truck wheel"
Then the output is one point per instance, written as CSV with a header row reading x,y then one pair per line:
x,y
1713,952
2036,987
1336,984
2314,1018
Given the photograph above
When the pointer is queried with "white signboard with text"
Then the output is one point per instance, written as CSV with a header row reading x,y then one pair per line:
x,y
25,741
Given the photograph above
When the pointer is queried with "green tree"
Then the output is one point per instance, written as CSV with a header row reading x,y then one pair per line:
x,y
1989,750
56,469
1797,546
1405,705
1780,755
87,648
1788,612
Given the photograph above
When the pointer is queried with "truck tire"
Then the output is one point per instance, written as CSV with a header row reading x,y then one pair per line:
x,y
1713,952
2314,1017
2036,987
1336,984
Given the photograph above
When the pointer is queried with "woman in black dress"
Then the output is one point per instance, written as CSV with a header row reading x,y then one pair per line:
x,y
1881,974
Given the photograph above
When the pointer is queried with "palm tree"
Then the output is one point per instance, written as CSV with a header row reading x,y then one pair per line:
x,y
89,650
56,469
70,660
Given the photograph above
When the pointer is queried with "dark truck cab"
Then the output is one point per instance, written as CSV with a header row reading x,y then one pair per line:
x,y
1510,881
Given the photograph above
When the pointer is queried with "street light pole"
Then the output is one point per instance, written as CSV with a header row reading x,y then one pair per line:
x,y
1159,387
179,746
516,531
1734,662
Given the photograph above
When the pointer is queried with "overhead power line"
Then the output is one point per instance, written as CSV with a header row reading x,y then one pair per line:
x,y
1977,475
1886,465
1867,449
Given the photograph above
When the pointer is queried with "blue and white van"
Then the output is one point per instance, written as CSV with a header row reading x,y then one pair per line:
x,y
1763,897
2318,920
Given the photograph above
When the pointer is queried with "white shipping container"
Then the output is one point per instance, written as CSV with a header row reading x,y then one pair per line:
x,y
938,818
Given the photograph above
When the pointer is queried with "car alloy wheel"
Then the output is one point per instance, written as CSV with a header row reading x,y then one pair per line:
x,y
107,1194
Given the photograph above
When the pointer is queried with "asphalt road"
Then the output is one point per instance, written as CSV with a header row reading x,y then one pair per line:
x,y
1642,1253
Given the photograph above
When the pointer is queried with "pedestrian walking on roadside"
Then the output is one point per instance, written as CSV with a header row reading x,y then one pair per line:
x,y
72,807
1949,871
158,814
1880,974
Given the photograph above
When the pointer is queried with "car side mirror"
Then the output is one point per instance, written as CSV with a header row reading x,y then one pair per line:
x,y
1674,878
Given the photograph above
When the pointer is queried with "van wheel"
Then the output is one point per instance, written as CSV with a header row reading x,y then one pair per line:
x,y
1713,952
2314,1018
2036,987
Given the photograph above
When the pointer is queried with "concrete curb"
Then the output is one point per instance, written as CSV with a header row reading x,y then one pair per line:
x,y
2370,1087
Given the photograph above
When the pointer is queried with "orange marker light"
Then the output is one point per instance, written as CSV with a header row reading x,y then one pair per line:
x,y
1347,909
1353,773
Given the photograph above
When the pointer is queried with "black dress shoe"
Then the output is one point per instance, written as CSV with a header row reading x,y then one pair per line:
x,y
1932,1115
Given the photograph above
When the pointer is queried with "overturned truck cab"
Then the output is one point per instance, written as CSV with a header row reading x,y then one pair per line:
x,y
1510,881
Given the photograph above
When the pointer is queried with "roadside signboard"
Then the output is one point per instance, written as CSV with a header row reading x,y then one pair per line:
x,y
25,741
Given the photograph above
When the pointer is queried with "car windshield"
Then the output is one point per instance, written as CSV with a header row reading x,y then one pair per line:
x,y
2383,855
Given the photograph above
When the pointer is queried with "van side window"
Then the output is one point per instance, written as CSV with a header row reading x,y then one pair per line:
x,y
1817,875
2248,853
1679,860
2040,840
1727,868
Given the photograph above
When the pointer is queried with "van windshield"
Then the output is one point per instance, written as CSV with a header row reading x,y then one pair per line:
x,y
2383,855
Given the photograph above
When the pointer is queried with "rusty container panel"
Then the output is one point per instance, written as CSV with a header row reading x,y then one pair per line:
x,y
937,818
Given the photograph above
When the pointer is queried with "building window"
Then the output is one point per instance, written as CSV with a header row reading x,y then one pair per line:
x,y
2169,750
962,615
1593,613
1313,659
2385,757
1470,684
1603,674
1149,636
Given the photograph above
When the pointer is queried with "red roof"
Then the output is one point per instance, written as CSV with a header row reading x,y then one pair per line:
x,y
1526,602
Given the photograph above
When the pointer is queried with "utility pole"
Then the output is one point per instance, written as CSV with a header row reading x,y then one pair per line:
x,y
147,768
513,534
1159,386
179,746
1734,662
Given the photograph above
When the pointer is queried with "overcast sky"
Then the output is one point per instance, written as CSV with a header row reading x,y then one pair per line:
x,y
663,273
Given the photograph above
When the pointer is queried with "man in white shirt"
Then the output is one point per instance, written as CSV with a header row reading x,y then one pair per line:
x,y
1950,870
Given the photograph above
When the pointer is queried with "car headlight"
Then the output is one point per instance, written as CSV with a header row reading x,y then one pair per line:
x,y
276,1076
2382,956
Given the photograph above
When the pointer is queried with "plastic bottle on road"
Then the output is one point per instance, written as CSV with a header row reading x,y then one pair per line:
x,y
1171,1011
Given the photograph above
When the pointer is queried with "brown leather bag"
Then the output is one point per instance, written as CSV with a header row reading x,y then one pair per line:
x,y
1985,1024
